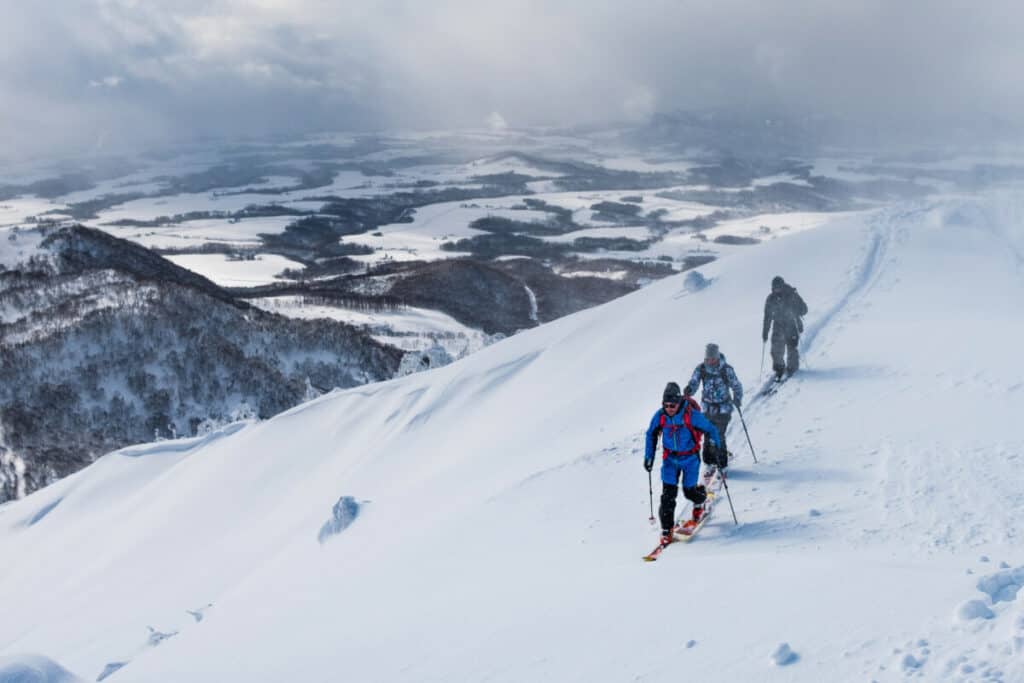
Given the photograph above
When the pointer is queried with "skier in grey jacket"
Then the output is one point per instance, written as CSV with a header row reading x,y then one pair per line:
x,y
783,310
722,390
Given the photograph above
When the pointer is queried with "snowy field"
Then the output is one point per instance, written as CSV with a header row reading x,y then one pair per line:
x,y
218,268
434,225
635,232
243,232
485,521
480,167
16,212
679,244
408,328
150,208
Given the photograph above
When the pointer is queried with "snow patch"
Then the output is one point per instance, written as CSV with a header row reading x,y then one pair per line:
x,y
533,302
12,471
228,272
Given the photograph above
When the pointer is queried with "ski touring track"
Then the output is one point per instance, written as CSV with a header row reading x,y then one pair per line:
x,y
865,274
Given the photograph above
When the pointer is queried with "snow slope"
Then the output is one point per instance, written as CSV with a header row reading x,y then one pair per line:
x,y
485,521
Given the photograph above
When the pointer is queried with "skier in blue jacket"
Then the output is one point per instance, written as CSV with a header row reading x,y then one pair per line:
x,y
678,425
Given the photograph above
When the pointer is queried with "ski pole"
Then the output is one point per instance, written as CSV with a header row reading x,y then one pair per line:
x,y
744,423
728,497
760,375
650,494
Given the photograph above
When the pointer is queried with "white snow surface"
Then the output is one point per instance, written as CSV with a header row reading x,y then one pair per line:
x,y
432,226
218,268
17,245
17,211
409,328
246,231
497,513
635,232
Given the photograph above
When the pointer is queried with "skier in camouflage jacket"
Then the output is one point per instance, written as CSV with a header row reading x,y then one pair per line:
x,y
722,389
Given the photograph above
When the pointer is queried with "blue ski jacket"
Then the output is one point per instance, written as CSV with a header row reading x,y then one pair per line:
x,y
675,437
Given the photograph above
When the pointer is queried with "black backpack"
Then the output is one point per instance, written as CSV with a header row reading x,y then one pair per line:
x,y
721,372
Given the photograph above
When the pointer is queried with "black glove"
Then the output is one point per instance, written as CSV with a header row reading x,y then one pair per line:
x,y
687,391
648,464
738,402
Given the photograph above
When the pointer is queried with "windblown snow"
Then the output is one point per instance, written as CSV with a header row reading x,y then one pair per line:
x,y
503,510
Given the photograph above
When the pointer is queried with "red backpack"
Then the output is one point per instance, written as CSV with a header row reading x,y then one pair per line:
x,y
689,405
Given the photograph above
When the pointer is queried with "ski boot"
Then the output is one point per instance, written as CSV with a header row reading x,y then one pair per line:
x,y
698,512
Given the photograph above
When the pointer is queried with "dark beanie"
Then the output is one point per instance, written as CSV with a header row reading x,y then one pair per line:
x,y
777,282
672,393
711,351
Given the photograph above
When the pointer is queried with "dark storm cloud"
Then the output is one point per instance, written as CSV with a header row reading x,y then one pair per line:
x,y
106,73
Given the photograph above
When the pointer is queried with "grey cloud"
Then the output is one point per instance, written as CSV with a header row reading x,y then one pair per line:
x,y
259,66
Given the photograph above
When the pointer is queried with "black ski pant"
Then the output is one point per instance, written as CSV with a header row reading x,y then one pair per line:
x,y
785,355
667,509
712,455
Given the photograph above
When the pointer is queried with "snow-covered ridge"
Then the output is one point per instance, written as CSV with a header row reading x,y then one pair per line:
x,y
106,344
502,509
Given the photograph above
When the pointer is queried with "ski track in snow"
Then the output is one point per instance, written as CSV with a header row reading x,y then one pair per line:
x,y
867,274
863,276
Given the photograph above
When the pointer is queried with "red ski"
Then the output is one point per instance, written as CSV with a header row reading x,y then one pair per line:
x,y
685,530
653,555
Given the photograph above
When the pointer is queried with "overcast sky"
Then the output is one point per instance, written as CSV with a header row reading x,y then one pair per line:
x,y
102,74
